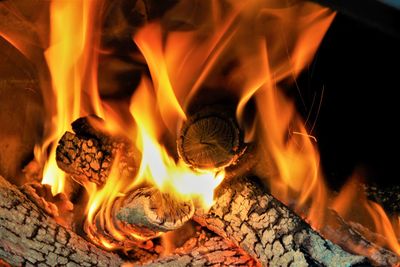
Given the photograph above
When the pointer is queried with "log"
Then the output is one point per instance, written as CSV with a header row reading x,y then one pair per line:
x,y
267,230
138,217
88,155
205,249
29,237
210,139
85,159
349,237
147,211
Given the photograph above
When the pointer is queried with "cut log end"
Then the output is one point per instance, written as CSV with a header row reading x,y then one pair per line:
x,y
89,153
147,211
210,139
85,159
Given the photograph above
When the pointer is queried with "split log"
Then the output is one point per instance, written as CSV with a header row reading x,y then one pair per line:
x,y
138,217
205,250
267,230
210,139
88,155
147,211
30,237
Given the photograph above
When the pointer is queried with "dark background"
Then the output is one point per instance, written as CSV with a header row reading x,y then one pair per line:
x,y
354,79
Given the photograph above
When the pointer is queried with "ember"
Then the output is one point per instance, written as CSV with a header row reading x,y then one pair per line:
x,y
203,159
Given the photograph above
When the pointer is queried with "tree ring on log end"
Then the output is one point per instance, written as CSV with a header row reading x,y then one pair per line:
x,y
210,139
147,212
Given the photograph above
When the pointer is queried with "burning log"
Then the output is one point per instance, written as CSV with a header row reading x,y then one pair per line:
x,y
211,139
88,155
355,241
205,250
270,233
267,230
137,217
147,211
30,237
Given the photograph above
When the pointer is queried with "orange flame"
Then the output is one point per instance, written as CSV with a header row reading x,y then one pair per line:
x,y
369,214
72,60
262,44
156,165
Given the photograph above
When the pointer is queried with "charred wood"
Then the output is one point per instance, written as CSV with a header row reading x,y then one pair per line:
x,y
205,250
352,239
267,230
28,236
88,155
147,211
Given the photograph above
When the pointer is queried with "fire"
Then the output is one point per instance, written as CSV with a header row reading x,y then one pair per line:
x,y
156,165
71,59
256,46
369,214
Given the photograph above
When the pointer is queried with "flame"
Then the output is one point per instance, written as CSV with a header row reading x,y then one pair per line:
x,y
68,55
156,165
99,206
72,60
369,214
281,40
257,46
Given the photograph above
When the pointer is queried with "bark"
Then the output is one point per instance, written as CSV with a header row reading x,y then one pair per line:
x,y
89,155
30,237
205,250
85,159
210,139
267,230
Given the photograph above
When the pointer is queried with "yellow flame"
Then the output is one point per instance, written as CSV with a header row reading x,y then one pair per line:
x,y
72,61
100,204
369,214
156,165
